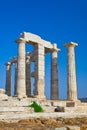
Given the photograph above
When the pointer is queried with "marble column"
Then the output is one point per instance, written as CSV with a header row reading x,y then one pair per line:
x,y
28,78
71,72
21,77
8,79
54,92
15,83
39,71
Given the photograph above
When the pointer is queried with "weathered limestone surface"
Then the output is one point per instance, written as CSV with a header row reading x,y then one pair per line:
x,y
15,83
39,72
71,73
28,80
54,74
21,80
22,71
8,78
3,96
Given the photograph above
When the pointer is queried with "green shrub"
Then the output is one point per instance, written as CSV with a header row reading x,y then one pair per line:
x,y
37,108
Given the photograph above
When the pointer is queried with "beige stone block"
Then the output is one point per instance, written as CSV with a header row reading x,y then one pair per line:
x,y
29,37
70,109
62,128
12,109
2,91
47,44
3,96
74,127
70,104
61,104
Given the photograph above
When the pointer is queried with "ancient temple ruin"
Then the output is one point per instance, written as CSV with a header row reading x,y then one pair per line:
x,y
23,74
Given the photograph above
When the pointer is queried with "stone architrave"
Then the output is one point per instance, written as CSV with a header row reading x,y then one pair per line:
x,y
39,71
71,72
15,84
28,77
40,48
54,74
21,77
8,79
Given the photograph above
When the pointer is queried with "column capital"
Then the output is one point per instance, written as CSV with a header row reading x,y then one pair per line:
x,y
20,40
27,59
69,44
55,49
13,59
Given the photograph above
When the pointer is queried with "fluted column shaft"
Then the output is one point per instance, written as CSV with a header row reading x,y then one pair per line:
x,y
39,71
8,79
54,93
21,78
71,72
15,83
28,78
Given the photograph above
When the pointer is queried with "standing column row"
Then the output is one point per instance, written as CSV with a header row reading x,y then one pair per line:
x,y
22,72
71,73
8,79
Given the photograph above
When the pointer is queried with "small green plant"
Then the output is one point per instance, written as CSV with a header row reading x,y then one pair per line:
x,y
37,108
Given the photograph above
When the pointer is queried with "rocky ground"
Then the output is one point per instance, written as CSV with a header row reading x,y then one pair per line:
x,y
45,123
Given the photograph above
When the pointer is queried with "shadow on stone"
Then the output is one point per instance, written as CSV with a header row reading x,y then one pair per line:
x,y
59,109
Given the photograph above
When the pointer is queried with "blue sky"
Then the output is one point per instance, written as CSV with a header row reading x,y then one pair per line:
x,y
58,21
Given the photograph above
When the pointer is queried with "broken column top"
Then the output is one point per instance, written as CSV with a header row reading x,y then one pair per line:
x,y
13,59
8,63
